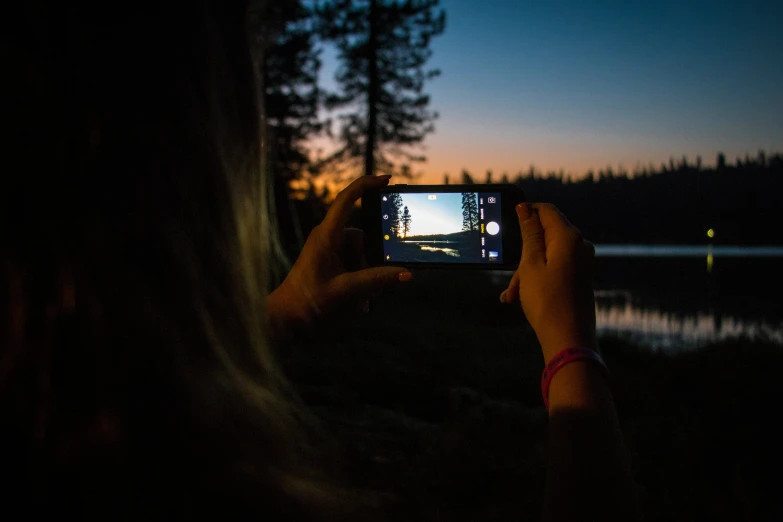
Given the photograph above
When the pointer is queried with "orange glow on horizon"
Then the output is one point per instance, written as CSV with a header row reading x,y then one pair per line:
x,y
513,153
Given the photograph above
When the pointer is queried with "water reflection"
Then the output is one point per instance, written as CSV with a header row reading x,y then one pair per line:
x,y
617,315
686,251
449,251
678,297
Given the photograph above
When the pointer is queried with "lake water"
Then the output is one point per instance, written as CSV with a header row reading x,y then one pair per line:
x,y
679,297
686,251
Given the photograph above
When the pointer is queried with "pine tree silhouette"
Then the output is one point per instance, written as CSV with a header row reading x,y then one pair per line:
x,y
395,214
470,218
383,48
406,222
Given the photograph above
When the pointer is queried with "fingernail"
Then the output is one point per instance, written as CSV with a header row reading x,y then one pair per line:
x,y
503,296
405,277
385,176
523,211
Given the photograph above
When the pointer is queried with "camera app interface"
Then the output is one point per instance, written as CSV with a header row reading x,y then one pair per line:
x,y
442,227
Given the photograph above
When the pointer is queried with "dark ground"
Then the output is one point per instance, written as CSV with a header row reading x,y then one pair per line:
x,y
434,399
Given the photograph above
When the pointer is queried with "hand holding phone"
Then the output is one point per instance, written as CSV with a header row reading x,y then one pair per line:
x,y
554,280
445,226
325,278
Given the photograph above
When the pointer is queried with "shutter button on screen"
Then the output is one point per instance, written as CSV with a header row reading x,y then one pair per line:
x,y
493,228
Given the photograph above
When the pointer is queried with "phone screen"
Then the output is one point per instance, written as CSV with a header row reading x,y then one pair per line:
x,y
442,227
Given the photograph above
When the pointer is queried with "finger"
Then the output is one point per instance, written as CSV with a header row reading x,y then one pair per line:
x,y
341,209
533,244
510,294
551,218
365,282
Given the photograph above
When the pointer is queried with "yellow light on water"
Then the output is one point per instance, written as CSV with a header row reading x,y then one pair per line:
x,y
710,233
709,262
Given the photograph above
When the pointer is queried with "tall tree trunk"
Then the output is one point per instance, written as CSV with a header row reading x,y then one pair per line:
x,y
372,94
372,104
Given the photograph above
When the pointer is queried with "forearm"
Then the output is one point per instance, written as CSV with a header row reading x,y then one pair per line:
x,y
589,476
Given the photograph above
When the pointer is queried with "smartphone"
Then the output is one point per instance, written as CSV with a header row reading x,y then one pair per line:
x,y
443,226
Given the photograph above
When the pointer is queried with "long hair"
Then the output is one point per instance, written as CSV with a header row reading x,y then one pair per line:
x,y
136,376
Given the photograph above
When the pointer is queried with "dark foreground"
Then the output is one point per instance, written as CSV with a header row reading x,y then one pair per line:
x,y
434,403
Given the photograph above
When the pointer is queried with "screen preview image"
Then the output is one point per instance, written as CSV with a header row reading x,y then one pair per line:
x,y
442,227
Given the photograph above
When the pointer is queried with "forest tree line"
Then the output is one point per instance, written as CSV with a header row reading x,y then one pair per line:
x,y
675,203
382,112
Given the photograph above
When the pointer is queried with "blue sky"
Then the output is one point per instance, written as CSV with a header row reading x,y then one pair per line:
x,y
583,84
442,215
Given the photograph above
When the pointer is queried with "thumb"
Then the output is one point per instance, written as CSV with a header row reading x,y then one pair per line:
x,y
365,282
533,244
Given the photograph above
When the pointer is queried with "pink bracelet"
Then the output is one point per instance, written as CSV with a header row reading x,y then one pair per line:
x,y
566,356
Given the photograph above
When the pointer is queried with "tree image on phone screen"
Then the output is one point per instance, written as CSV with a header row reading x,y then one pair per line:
x,y
441,227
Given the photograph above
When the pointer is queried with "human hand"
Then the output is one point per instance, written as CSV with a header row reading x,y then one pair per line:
x,y
321,280
553,281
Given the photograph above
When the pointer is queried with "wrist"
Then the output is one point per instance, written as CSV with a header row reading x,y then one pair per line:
x,y
579,385
582,377
552,345
283,318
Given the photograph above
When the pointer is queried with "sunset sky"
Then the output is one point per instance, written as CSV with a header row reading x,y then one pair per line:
x,y
443,215
580,84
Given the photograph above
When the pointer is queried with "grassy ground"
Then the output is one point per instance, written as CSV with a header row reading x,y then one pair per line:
x,y
434,399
